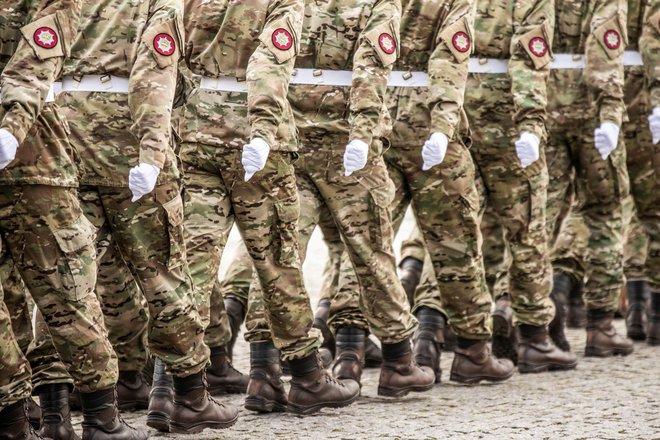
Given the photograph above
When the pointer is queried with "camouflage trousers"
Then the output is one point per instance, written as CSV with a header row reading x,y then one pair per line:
x,y
516,195
52,244
445,202
600,188
266,211
360,206
149,234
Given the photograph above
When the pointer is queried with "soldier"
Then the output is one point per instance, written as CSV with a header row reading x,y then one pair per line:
x,y
42,223
342,120
117,92
242,55
645,188
585,115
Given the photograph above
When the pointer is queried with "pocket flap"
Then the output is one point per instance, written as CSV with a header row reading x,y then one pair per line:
x,y
164,42
288,210
44,37
75,237
384,40
458,38
174,210
611,36
280,39
537,44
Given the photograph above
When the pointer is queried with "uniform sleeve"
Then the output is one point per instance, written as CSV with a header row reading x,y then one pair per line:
x,y
270,67
649,45
529,63
448,67
604,49
153,80
377,50
37,62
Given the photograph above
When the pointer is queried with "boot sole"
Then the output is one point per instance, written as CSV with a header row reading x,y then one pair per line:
x,y
476,379
598,352
259,404
525,368
159,421
194,428
306,410
400,392
653,341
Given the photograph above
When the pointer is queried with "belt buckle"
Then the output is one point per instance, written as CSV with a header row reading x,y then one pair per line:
x,y
106,81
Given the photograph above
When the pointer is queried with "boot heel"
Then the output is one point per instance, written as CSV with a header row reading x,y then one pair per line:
x,y
159,421
262,405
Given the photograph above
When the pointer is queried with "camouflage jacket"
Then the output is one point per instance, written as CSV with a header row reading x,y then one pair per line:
x,y
596,29
361,36
521,32
436,37
253,40
636,9
649,45
36,35
112,132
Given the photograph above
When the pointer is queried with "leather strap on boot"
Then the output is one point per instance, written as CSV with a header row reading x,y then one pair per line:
x,y
263,354
392,352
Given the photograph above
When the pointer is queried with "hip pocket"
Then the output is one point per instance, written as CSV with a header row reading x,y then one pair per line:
x,y
286,232
174,213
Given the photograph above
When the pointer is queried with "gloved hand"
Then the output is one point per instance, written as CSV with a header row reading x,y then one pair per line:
x,y
654,123
8,147
142,180
527,148
255,155
355,156
434,150
606,138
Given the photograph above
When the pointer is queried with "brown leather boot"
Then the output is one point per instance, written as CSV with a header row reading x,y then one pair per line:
x,y
636,320
576,316
236,314
34,413
505,337
411,274
265,391
222,377
55,411
161,399
195,409
14,423
400,375
450,339
602,338
475,363
373,356
429,339
556,328
313,388
74,400
321,317
101,420
132,392
350,345
537,353
653,331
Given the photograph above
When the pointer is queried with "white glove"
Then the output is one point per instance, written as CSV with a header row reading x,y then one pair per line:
x,y
142,180
255,155
606,138
8,147
434,150
355,156
654,123
527,148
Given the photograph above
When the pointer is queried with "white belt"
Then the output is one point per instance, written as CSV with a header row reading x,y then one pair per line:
x,y
575,61
223,84
54,90
339,78
488,65
95,83
632,58
408,79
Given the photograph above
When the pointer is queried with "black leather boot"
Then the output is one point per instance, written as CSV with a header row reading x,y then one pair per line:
x,y
636,320
101,420
55,412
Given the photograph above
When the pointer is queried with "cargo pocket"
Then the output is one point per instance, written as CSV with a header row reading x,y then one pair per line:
x,y
77,268
177,252
380,228
286,232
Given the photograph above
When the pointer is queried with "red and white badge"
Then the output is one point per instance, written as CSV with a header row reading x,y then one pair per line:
x,y
282,39
461,42
45,37
164,44
386,42
612,39
538,46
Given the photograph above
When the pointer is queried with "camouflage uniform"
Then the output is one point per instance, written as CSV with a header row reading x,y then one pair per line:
x,y
502,106
239,40
581,100
42,224
138,43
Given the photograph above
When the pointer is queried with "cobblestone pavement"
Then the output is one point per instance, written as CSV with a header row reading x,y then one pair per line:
x,y
616,398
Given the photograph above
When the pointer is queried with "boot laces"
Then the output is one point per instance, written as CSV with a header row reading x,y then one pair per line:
x,y
329,379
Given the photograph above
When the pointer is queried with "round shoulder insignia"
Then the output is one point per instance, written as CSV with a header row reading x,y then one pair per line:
x,y
538,46
461,42
282,39
45,37
164,44
387,44
612,39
